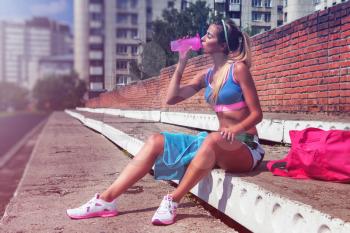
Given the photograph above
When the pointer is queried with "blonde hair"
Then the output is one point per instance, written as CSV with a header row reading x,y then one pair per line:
x,y
236,41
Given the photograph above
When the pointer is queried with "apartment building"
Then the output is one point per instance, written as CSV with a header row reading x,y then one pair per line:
x,y
324,4
109,35
295,9
255,16
23,44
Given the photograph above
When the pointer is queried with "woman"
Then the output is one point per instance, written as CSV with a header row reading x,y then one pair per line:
x,y
235,147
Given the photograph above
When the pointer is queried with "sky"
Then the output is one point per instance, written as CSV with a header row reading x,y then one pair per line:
x,y
60,10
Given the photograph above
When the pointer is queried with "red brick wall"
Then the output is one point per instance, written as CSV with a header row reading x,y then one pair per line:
x,y
300,67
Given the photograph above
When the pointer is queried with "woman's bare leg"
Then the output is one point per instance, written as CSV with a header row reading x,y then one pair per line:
x,y
139,166
233,157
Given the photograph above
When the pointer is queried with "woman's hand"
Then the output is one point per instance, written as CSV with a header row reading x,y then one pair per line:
x,y
184,55
228,134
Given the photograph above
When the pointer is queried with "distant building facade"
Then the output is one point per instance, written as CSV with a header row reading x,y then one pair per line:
x,y
23,44
255,16
57,65
108,35
295,9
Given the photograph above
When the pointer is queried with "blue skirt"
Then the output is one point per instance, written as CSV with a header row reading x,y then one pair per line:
x,y
179,150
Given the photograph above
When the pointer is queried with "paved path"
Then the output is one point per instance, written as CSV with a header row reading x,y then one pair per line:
x,y
14,127
68,165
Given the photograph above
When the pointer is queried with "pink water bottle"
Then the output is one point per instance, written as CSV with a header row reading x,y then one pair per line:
x,y
183,45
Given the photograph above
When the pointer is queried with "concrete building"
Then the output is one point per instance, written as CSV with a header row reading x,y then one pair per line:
x,y
251,15
13,60
22,44
295,9
57,65
324,4
109,35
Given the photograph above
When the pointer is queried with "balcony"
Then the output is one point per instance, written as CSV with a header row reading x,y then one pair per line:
x,y
220,1
126,56
234,7
261,23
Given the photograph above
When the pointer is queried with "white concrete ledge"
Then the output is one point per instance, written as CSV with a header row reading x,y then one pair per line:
x,y
143,115
276,130
257,209
194,120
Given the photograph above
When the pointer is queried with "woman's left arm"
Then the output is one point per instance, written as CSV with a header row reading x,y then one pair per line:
x,y
245,80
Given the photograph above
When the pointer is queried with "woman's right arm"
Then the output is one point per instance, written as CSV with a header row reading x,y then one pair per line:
x,y
177,93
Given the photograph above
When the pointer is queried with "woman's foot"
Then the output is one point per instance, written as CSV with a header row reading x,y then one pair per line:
x,y
96,207
166,213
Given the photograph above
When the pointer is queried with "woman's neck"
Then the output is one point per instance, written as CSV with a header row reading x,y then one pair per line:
x,y
219,60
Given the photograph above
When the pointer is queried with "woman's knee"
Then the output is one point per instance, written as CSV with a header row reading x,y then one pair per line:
x,y
156,141
212,140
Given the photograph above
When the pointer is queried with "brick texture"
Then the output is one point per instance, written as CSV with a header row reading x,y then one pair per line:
x,y
301,67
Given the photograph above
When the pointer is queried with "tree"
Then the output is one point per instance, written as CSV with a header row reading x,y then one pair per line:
x,y
13,96
175,24
59,92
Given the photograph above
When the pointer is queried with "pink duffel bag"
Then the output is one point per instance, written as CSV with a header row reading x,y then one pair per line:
x,y
316,154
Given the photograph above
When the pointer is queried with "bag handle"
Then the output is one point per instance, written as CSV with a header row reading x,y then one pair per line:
x,y
297,174
277,171
302,135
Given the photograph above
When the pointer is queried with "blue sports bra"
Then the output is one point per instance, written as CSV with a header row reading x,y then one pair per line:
x,y
230,96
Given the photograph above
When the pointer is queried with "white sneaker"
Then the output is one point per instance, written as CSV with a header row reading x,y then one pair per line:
x,y
96,207
166,213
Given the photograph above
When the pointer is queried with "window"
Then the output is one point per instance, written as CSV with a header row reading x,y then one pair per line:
x,y
170,4
122,65
236,1
122,18
316,2
257,16
268,3
96,16
98,63
280,9
122,49
285,3
96,31
133,33
257,3
133,3
134,50
235,14
95,46
285,17
267,17
133,19
122,80
122,4
96,1
122,33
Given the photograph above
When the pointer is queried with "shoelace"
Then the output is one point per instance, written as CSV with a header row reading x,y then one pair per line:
x,y
166,205
88,204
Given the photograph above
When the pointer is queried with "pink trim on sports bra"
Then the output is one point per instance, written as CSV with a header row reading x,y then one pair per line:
x,y
229,107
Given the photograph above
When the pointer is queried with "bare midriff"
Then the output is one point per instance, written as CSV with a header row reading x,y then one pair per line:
x,y
231,118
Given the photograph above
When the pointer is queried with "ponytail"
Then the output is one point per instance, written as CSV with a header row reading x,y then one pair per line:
x,y
244,51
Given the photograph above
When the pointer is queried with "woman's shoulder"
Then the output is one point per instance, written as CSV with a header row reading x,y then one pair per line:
x,y
241,71
241,66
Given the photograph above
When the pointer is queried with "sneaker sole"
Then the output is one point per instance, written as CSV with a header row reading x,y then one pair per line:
x,y
157,222
95,215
